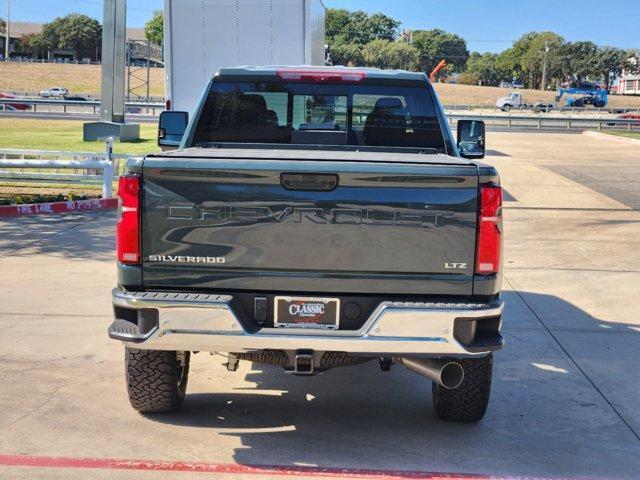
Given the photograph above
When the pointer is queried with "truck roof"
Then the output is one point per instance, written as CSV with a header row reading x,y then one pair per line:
x,y
371,73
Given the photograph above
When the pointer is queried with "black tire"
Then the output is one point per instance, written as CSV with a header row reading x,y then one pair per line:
x,y
506,108
468,402
156,379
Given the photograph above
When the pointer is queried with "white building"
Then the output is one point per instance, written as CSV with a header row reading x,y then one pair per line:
x,y
629,83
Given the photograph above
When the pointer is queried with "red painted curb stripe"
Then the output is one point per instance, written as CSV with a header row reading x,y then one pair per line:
x,y
231,468
59,207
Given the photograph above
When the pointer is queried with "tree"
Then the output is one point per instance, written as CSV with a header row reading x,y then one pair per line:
x,y
387,54
578,60
435,45
347,32
73,32
633,61
381,26
346,27
525,59
610,63
468,78
336,24
348,54
49,36
154,28
510,60
483,69
32,44
542,46
3,26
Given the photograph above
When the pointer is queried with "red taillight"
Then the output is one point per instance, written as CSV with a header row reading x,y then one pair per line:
x,y
128,226
489,231
321,75
167,104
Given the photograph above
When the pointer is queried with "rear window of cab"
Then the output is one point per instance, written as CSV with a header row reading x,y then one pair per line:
x,y
320,114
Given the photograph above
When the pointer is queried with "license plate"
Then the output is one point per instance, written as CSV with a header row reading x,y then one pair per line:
x,y
305,312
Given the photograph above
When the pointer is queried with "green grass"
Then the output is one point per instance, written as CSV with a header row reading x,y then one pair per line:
x,y
621,133
35,134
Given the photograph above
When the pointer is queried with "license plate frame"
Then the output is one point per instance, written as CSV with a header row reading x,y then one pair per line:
x,y
306,318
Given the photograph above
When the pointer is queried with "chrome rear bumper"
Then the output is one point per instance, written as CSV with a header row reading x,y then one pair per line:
x,y
201,322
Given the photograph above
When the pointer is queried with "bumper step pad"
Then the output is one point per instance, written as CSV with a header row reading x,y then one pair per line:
x,y
127,331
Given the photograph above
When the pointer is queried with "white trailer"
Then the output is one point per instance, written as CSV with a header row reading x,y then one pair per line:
x,y
201,36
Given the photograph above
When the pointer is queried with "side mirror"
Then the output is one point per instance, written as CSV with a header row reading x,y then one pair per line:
x,y
471,138
171,128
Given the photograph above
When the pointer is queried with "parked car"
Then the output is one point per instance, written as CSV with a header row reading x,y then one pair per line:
x,y
626,116
14,106
286,231
54,92
75,98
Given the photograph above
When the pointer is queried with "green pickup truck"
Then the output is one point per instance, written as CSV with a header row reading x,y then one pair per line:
x,y
312,218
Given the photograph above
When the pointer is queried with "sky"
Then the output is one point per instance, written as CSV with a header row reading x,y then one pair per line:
x,y
487,25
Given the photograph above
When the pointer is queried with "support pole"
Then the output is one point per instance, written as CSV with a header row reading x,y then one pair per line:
x,y
148,71
544,66
113,61
112,95
7,32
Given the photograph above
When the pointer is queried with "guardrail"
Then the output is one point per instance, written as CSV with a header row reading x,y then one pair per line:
x,y
159,105
65,104
452,110
43,166
508,120
585,109
546,121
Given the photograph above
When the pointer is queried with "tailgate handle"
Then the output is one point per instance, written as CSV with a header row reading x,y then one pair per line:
x,y
323,182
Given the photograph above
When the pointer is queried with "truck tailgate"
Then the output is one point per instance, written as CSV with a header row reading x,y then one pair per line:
x,y
281,225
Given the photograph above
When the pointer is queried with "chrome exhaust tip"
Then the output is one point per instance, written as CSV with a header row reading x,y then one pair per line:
x,y
445,373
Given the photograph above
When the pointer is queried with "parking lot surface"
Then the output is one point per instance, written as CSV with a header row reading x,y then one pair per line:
x,y
566,387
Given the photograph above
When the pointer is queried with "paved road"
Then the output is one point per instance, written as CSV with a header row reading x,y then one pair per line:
x,y
566,390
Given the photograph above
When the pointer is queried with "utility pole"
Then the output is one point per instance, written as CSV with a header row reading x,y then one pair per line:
x,y
7,32
544,66
148,70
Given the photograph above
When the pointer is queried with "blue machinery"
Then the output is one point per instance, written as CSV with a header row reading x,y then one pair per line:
x,y
589,95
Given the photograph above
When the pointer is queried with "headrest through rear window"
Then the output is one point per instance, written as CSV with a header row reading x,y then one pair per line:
x,y
389,103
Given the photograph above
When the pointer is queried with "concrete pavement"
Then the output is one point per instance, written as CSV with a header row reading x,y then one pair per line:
x,y
566,390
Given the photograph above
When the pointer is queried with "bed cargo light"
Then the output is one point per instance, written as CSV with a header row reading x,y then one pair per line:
x,y
321,75
490,231
128,226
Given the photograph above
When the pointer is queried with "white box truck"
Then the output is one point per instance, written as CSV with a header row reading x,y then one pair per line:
x,y
202,36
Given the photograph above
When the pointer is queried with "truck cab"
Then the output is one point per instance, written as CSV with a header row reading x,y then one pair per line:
x,y
513,100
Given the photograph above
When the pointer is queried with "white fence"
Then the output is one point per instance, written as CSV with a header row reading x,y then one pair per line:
x,y
45,166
